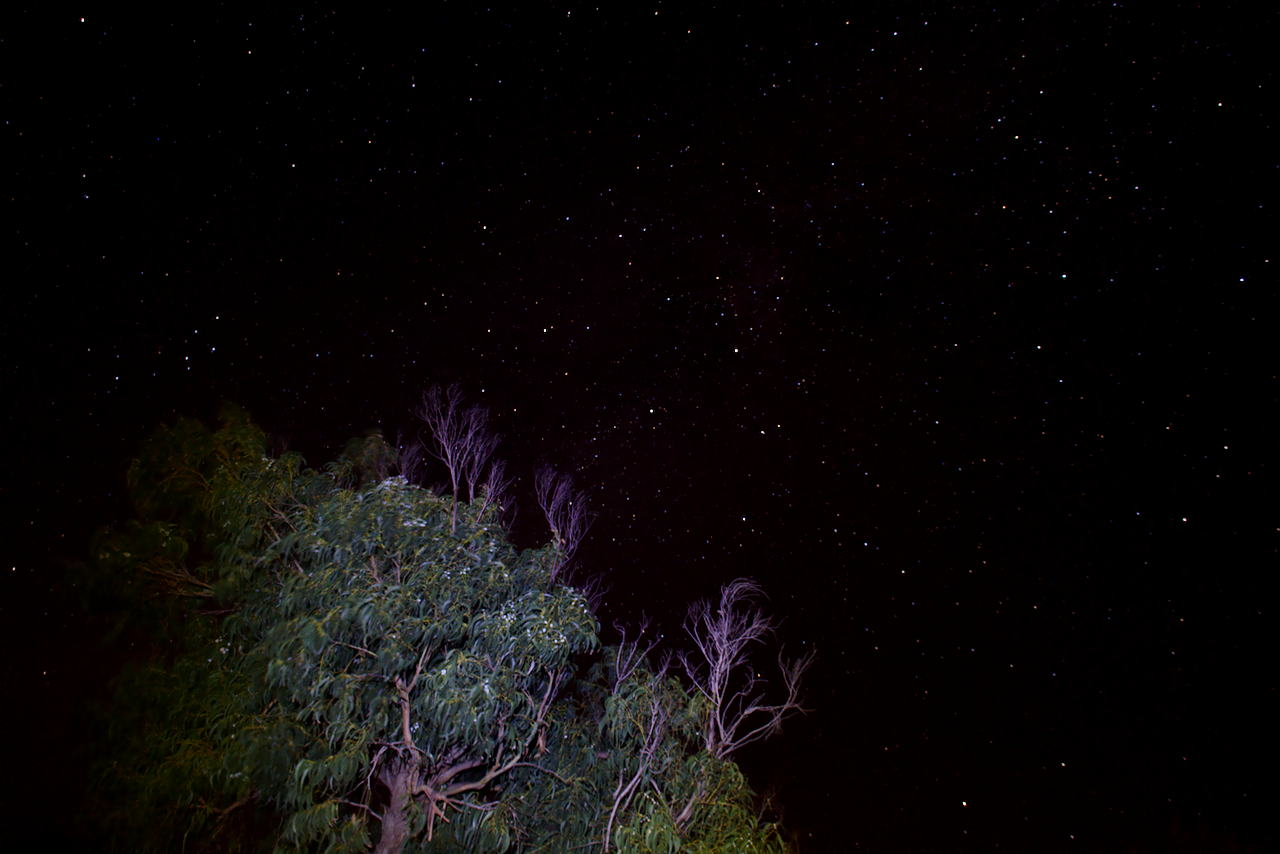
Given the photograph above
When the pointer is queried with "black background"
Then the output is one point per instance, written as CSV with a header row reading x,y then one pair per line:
x,y
946,324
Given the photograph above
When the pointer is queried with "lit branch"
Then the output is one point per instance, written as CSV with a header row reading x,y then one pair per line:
x,y
409,459
737,717
566,512
631,654
409,776
495,488
659,717
460,439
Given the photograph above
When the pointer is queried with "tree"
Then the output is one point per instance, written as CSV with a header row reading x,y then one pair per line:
x,y
361,664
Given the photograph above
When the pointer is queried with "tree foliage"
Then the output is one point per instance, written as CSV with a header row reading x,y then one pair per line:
x,y
348,662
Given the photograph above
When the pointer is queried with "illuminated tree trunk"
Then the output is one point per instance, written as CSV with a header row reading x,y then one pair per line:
x,y
395,815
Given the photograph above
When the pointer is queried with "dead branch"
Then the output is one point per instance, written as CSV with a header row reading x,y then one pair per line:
x,y
566,512
495,488
632,653
460,438
594,589
409,459
482,444
722,638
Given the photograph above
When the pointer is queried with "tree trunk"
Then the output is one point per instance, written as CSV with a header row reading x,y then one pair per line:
x,y
395,815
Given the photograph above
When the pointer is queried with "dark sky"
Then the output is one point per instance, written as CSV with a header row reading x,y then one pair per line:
x,y
944,323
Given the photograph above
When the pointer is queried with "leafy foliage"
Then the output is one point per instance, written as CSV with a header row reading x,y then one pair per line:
x,y
347,662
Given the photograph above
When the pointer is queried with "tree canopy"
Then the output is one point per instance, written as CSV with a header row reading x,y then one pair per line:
x,y
345,661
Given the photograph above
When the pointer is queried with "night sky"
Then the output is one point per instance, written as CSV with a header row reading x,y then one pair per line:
x,y
945,324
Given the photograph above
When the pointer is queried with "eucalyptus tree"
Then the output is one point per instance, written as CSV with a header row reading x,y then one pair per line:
x,y
349,662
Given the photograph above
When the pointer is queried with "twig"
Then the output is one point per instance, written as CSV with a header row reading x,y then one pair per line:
x,y
361,806
543,770
357,649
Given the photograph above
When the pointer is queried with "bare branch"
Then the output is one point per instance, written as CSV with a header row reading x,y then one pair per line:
x,y
566,512
632,653
738,714
481,444
594,589
440,411
495,488
409,459
460,438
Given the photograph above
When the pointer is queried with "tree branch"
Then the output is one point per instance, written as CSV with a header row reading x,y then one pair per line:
x,y
722,639
175,579
361,806
357,649
460,439
630,653
543,770
656,730
495,488
566,512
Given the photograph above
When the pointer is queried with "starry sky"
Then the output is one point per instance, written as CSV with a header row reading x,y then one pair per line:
x,y
944,323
